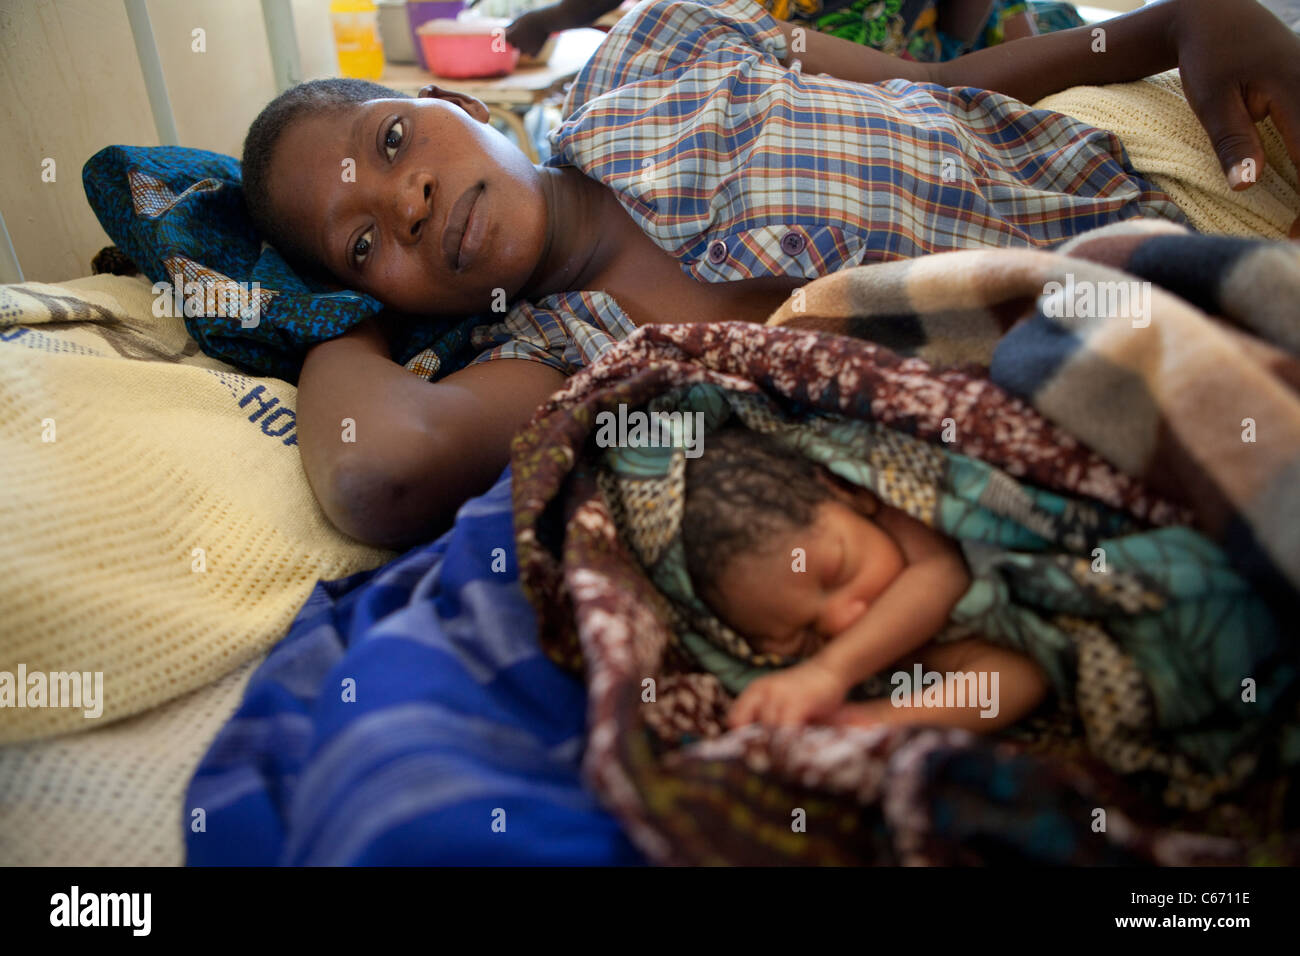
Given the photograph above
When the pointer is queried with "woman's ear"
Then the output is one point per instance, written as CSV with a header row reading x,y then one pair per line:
x,y
474,107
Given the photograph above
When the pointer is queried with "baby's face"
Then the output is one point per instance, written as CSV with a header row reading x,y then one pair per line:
x,y
380,231
849,563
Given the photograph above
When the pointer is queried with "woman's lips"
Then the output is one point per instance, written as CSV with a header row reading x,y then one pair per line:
x,y
475,231
457,225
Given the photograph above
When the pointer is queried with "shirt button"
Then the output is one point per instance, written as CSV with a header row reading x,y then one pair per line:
x,y
717,251
792,243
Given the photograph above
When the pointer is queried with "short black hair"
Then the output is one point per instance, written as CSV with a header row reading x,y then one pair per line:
x,y
314,97
743,493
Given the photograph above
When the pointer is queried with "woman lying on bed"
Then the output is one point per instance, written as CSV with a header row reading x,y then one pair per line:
x,y
712,183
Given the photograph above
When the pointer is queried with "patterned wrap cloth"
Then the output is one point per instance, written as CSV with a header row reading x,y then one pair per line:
x,y
1147,660
910,28
178,214
1168,615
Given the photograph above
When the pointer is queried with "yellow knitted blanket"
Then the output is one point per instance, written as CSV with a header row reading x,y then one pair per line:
x,y
156,525
1167,144
112,797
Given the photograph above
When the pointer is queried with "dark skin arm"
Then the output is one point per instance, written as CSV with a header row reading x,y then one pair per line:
x,y
1239,65
959,18
1138,44
424,449
421,449
530,30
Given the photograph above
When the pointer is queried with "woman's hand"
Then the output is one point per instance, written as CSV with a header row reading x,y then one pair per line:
x,y
1239,64
529,31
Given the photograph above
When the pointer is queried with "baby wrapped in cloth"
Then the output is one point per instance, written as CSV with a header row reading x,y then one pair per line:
x,y
1127,432
1147,634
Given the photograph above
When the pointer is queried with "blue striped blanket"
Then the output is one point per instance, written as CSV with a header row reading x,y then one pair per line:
x,y
408,717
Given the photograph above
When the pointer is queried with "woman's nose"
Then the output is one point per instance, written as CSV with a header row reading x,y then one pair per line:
x,y
414,212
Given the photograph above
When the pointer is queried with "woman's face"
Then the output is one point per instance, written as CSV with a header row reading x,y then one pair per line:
x,y
372,194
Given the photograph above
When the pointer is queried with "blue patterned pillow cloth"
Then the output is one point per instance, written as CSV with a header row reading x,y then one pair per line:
x,y
179,215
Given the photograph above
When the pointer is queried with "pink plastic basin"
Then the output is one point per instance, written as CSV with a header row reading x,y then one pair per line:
x,y
419,12
460,50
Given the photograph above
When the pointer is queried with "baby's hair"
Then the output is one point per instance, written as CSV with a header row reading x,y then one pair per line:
x,y
743,493
312,98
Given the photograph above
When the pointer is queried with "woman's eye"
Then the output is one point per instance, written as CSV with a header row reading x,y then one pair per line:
x,y
393,138
361,248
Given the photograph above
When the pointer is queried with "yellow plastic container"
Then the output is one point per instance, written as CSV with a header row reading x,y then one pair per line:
x,y
356,38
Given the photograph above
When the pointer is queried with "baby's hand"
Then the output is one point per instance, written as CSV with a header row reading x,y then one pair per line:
x,y
794,696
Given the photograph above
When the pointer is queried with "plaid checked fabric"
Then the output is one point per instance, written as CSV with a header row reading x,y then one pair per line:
x,y
740,167
179,216
568,331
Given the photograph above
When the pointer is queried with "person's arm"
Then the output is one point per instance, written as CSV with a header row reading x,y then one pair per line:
x,y
1239,65
1138,44
421,450
529,30
1021,687
846,60
581,13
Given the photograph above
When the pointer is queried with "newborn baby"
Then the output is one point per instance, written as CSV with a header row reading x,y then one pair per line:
x,y
804,565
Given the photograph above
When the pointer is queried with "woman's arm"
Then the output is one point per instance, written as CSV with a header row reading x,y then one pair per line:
x,y
1128,47
1137,44
1239,65
530,30
846,60
420,450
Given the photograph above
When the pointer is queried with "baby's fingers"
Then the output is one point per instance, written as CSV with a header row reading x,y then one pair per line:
x,y
770,710
745,709
790,711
